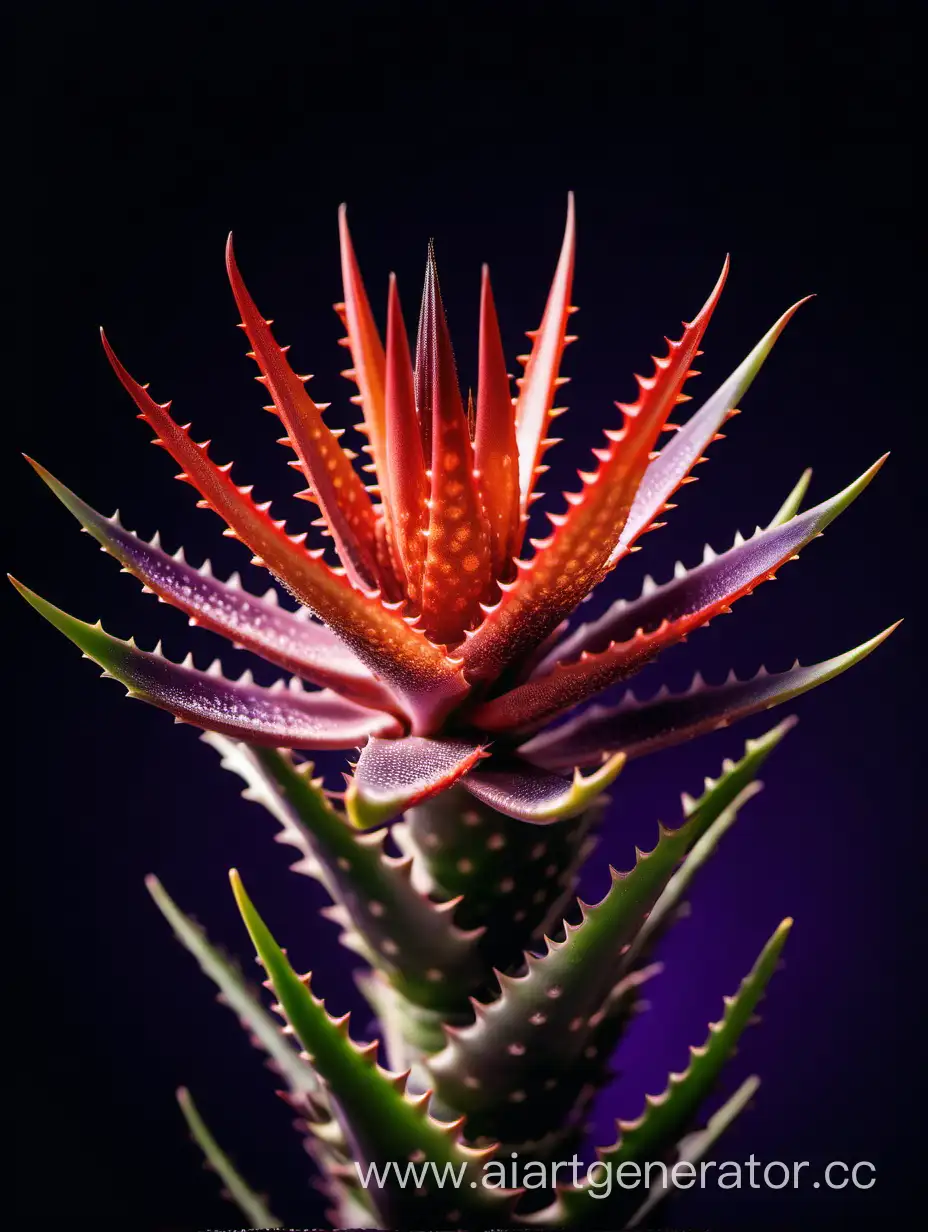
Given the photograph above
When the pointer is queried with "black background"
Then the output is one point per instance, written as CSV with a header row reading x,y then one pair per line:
x,y
778,133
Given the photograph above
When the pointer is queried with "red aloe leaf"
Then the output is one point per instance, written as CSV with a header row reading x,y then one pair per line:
x,y
634,727
367,353
496,451
281,717
457,563
405,463
394,775
685,448
629,634
421,674
333,482
537,387
528,793
575,556
288,639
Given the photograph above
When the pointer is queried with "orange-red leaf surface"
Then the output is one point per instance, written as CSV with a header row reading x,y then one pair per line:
x,y
408,483
630,635
457,563
419,673
367,352
574,558
496,451
334,484
538,385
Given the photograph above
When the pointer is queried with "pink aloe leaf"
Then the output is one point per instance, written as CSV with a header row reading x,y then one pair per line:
x,y
458,569
610,649
575,557
333,482
280,717
495,448
534,405
684,450
405,462
527,793
394,775
635,727
428,682
288,639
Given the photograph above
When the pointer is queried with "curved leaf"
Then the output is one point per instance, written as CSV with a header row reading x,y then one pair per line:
x,y
333,482
522,1063
575,557
279,717
526,793
685,448
394,775
537,387
301,646
367,354
241,999
252,1205
635,727
384,1122
420,673
628,634
667,1116
384,917
791,505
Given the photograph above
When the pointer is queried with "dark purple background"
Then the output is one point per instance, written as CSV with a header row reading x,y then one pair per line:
x,y
684,136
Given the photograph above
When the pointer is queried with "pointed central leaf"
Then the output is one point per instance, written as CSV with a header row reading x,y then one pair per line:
x,y
457,563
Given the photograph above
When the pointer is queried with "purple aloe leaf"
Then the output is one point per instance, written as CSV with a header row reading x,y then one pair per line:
x,y
635,727
290,640
278,716
528,793
694,596
393,775
681,453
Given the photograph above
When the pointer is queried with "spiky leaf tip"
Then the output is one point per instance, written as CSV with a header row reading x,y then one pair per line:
x,y
290,718
635,727
384,1121
667,1116
241,999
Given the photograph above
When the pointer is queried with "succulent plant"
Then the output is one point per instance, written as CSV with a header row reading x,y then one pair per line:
x,y
445,657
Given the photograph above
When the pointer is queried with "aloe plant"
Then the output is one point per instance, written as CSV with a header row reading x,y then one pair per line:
x,y
443,654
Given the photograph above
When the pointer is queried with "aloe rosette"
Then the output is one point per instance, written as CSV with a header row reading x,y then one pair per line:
x,y
440,648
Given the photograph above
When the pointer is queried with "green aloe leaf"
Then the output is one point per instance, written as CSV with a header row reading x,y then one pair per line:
x,y
251,1204
518,1069
384,1121
240,997
667,1116
385,918
697,1145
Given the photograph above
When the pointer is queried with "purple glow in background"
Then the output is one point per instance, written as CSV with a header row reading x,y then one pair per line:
x,y
796,166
